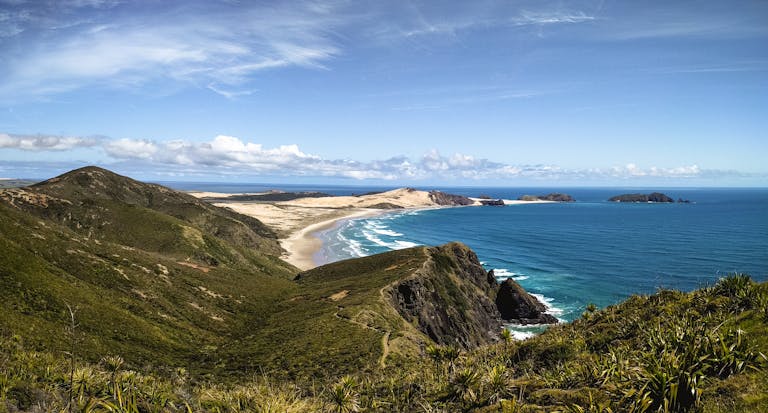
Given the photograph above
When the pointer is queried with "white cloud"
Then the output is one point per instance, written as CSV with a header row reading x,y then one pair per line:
x,y
548,17
633,171
226,154
45,142
131,148
202,45
222,151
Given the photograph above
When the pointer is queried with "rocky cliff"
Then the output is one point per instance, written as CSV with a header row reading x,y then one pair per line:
x,y
442,198
450,299
453,300
518,307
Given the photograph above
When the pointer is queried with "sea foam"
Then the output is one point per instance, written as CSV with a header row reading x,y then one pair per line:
x,y
502,274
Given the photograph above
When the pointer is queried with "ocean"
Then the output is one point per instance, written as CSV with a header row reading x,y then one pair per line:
x,y
588,251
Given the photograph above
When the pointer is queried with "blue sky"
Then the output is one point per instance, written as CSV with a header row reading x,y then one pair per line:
x,y
393,92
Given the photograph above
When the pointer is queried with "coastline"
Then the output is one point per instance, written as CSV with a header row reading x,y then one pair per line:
x,y
297,222
302,245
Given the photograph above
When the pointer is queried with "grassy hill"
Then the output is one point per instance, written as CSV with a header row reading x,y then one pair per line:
x,y
168,281
153,308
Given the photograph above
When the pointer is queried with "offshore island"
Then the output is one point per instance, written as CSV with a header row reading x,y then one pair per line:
x,y
118,295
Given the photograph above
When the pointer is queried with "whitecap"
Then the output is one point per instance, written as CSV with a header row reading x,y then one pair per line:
x,y
396,245
387,232
551,309
355,248
502,274
521,335
374,239
405,244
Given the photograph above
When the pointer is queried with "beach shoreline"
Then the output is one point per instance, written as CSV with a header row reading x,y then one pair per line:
x,y
301,246
297,222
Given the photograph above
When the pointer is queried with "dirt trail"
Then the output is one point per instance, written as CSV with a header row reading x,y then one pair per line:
x,y
384,338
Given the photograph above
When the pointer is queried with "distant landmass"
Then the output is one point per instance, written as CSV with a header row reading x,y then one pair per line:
x,y
554,197
15,183
271,196
444,199
652,197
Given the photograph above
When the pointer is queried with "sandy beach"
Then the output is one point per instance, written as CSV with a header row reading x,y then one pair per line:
x,y
297,221
302,245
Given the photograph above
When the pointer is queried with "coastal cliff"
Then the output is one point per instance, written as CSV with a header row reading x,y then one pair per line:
x,y
454,301
445,199
450,299
518,307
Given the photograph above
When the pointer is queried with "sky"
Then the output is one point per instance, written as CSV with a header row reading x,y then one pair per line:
x,y
471,93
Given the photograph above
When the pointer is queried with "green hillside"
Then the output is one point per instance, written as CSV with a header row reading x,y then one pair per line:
x,y
167,281
153,308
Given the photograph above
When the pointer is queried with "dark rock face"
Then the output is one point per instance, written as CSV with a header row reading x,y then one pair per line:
x,y
517,306
555,197
450,299
652,197
385,205
453,300
441,198
492,202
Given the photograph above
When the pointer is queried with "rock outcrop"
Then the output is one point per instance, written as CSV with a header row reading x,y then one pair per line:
x,y
492,202
554,197
442,198
652,197
450,299
453,300
385,205
517,306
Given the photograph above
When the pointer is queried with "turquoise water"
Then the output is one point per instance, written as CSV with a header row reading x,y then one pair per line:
x,y
590,251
